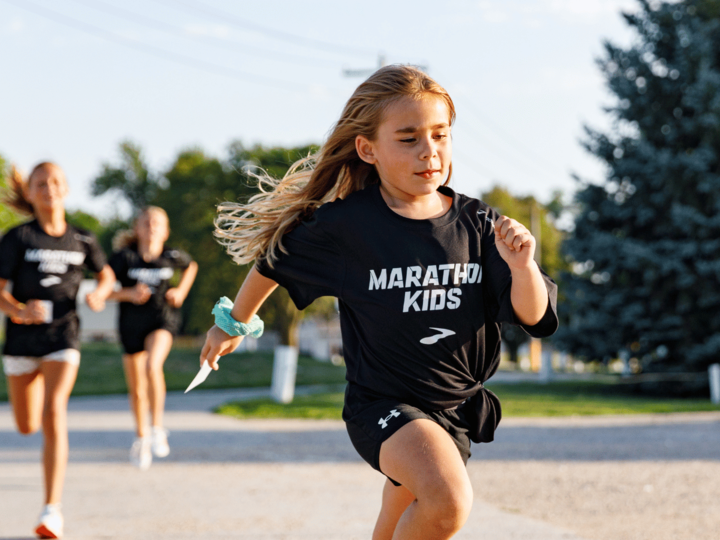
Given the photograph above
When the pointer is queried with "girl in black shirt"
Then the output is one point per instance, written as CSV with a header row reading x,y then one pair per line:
x,y
44,260
149,317
424,277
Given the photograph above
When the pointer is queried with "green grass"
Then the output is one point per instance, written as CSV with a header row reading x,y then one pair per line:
x,y
521,399
101,371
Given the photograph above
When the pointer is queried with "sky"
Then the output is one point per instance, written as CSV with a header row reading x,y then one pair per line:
x,y
80,76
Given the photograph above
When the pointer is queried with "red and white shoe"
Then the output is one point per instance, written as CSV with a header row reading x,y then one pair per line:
x,y
50,524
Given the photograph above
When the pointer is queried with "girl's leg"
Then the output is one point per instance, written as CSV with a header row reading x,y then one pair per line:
x,y
157,345
26,397
136,377
424,459
59,381
395,501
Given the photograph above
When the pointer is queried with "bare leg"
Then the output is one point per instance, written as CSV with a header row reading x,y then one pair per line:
x,y
424,459
395,501
157,345
59,381
136,377
26,397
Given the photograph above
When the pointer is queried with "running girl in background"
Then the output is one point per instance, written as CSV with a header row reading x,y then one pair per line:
x,y
44,260
424,277
149,317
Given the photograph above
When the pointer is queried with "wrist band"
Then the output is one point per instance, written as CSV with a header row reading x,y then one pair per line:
x,y
224,320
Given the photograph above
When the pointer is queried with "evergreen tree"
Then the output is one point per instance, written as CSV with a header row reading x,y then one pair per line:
x,y
646,243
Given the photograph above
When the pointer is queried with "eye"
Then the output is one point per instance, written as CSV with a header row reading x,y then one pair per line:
x,y
410,140
441,136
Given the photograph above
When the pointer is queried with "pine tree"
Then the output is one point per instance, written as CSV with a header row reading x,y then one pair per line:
x,y
646,243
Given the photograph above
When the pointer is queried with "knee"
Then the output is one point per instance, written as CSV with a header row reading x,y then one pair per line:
x,y
54,415
450,507
27,426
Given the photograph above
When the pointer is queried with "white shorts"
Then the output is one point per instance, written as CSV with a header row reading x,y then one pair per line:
x,y
22,365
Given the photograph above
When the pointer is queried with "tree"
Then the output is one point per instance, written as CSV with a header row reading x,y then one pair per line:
x,y
534,215
132,178
8,218
646,243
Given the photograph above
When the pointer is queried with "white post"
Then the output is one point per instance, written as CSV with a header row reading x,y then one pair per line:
x,y
546,369
714,373
284,370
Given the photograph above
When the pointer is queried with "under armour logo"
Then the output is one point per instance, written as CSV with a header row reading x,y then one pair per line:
x,y
383,421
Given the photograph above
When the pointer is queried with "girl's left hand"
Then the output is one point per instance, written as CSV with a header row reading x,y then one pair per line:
x,y
174,297
514,243
95,301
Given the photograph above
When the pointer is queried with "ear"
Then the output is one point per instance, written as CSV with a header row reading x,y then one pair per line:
x,y
364,149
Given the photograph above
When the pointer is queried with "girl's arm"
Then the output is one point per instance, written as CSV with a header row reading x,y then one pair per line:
x,y
528,293
254,291
106,281
33,312
138,294
176,295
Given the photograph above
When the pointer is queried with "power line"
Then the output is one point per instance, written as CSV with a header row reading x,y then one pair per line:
x,y
171,29
154,51
226,17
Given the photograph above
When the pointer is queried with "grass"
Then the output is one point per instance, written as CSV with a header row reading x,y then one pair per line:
x,y
101,371
520,399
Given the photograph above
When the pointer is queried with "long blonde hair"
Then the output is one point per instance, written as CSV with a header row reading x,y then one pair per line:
x,y
15,195
125,238
254,229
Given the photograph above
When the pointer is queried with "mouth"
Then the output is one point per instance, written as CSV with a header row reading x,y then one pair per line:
x,y
428,173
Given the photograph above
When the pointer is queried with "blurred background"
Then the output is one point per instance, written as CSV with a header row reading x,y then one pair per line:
x,y
594,122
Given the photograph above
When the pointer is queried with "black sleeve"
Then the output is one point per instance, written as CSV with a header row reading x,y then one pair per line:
x,y
95,256
497,281
180,259
10,254
118,264
312,267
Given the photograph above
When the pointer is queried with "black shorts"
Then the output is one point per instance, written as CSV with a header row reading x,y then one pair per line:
x,y
371,419
135,329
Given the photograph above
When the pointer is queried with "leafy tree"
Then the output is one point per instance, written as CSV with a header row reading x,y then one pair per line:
x,y
131,178
533,214
8,218
646,243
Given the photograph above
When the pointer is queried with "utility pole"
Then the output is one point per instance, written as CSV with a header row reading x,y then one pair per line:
x,y
382,62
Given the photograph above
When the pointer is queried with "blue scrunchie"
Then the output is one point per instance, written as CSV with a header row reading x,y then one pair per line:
x,y
224,320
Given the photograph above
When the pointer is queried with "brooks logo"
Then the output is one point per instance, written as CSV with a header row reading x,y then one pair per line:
x,y
444,332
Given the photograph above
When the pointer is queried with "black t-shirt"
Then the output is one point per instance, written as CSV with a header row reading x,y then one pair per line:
x,y
49,268
130,269
420,300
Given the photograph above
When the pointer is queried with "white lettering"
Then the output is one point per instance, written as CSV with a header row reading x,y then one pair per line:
x,y
431,276
412,278
474,273
410,301
437,299
446,272
453,302
460,273
396,278
377,282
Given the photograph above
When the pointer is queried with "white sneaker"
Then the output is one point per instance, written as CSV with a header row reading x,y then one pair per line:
x,y
50,524
160,447
141,454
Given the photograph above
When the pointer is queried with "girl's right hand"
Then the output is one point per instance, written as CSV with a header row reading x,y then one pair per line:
x,y
33,312
218,343
140,294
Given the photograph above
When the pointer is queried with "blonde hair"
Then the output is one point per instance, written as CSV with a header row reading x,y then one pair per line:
x,y
125,238
15,196
254,229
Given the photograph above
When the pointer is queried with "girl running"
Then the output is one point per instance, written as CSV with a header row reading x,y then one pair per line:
x,y
44,259
424,277
149,317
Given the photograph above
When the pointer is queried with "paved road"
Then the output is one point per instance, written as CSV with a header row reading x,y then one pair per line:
x,y
287,480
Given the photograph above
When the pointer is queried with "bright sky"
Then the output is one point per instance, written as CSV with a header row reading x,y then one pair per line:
x,y
79,76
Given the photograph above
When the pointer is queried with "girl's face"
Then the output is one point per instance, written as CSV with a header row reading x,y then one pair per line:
x,y
152,227
412,150
46,189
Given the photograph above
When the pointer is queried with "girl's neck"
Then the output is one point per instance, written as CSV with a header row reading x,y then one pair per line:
x,y
52,222
150,251
430,206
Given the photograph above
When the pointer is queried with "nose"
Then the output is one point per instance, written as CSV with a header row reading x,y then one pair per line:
x,y
428,148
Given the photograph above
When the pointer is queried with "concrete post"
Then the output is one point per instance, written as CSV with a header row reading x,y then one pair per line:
x,y
714,373
546,369
284,370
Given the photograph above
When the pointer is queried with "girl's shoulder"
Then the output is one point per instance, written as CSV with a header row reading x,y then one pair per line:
x,y
342,210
